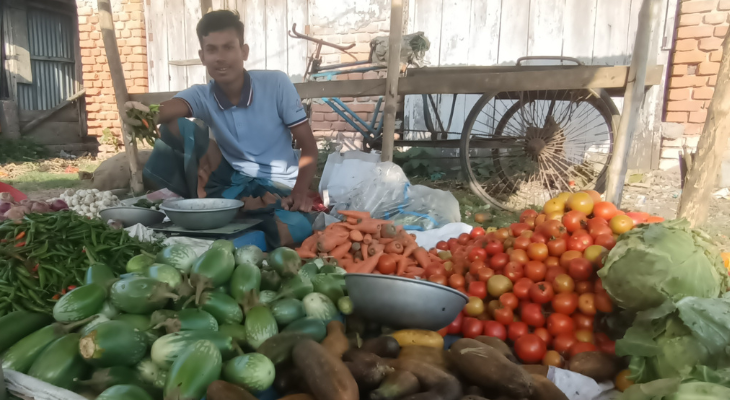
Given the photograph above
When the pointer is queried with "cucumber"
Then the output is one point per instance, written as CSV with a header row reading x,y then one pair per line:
x,y
179,256
260,325
315,328
139,295
100,273
235,331
253,372
21,356
250,254
285,261
286,311
222,307
60,364
190,319
168,348
212,269
270,280
278,348
80,303
124,392
192,372
245,278
113,343
20,324
103,379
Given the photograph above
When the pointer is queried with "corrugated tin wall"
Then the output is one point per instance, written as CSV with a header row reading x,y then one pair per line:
x,y
52,60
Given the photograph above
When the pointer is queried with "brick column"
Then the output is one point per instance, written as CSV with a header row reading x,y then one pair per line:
x,y
131,38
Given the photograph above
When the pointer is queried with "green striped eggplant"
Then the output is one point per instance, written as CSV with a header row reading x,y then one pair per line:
x,y
80,303
60,364
221,306
20,324
168,348
124,392
113,343
139,295
193,371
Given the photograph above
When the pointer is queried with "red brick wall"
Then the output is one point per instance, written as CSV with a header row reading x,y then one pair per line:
x,y
131,39
696,59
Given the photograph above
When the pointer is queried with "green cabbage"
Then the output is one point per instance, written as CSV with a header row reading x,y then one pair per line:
x,y
667,261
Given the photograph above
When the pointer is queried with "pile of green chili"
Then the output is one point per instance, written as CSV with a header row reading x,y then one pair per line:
x,y
45,255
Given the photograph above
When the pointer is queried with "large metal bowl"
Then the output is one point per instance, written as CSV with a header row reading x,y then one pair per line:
x,y
402,302
129,216
199,214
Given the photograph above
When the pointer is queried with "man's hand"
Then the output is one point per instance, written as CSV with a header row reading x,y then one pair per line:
x,y
132,105
297,201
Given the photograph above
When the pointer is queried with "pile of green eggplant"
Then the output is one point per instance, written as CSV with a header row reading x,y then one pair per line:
x,y
176,322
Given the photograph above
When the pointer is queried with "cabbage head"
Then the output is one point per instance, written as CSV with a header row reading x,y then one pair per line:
x,y
653,263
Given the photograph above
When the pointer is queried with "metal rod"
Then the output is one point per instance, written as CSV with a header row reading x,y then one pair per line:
x,y
391,83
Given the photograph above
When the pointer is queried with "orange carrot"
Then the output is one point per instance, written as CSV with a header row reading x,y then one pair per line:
x,y
368,266
367,226
347,256
375,248
385,240
356,236
305,253
310,243
408,250
415,270
435,258
367,238
364,251
404,238
355,214
376,272
413,275
393,247
402,265
421,255
341,250
388,231
353,221
328,241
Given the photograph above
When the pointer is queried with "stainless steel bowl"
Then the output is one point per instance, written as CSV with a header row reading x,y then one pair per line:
x,y
402,302
199,214
129,216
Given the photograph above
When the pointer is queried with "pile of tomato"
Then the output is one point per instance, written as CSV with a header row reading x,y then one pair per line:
x,y
534,284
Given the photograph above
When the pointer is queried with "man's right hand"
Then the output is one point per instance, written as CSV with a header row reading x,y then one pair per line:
x,y
133,105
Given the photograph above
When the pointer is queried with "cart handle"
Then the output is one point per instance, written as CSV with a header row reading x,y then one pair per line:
x,y
293,33
556,58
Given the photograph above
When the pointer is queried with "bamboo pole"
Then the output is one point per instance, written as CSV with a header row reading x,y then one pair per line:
x,y
120,89
633,99
391,83
703,170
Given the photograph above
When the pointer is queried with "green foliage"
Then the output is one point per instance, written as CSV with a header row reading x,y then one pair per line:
x,y
419,161
107,137
21,150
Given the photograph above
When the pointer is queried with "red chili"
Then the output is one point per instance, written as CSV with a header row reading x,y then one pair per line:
x,y
20,235
71,287
83,251
21,244
36,267
3,240
55,297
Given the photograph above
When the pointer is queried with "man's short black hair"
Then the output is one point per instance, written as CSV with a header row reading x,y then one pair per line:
x,y
219,20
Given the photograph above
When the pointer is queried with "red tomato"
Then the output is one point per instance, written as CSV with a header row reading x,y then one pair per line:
x,y
454,327
515,329
605,210
569,255
494,329
580,269
501,234
581,347
521,288
552,262
557,247
544,335
574,220
606,240
464,239
509,300
456,281
471,327
434,268
603,302
477,289
530,348
587,303
535,271
551,228
598,230
521,243
520,256
529,213
453,244
638,217
565,303
532,315
584,287
484,274
517,228
582,321
386,265
498,261
477,253
476,265
442,245
513,271
538,238
552,273
541,292
504,315
477,232
608,347
580,242
601,338
440,279
598,286
560,323
494,247
563,342
537,251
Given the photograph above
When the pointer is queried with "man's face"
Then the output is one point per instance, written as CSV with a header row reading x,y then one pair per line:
x,y
223,55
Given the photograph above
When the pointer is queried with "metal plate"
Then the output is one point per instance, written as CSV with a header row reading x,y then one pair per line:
x,y
236,226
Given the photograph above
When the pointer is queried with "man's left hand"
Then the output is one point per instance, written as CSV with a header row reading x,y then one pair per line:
x,y
297,201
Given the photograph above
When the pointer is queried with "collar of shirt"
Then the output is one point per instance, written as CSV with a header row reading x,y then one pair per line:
x,y
243,101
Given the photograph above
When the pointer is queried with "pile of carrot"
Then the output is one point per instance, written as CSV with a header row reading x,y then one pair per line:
x,y
362,244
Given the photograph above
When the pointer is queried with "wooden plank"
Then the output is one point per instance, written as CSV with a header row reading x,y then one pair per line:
x,y
276,35
240,6
67,114
51,132
175,18
513,33
219,4
255,23
17,39
633,23
157,60
49,113
484,32
545,37
612,24
560,78
297,13
454,51
579,29
195,74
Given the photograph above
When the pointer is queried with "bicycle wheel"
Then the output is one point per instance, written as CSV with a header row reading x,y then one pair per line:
x,y
437,122
519,149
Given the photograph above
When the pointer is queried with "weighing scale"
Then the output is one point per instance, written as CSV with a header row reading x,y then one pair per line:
x,y
237,231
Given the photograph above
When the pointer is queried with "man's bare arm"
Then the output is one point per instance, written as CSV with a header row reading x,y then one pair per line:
x,y
299,199
173,109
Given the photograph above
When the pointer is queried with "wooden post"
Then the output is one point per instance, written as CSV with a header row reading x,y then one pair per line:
x,y
633,99
391,82
703,170
120,89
